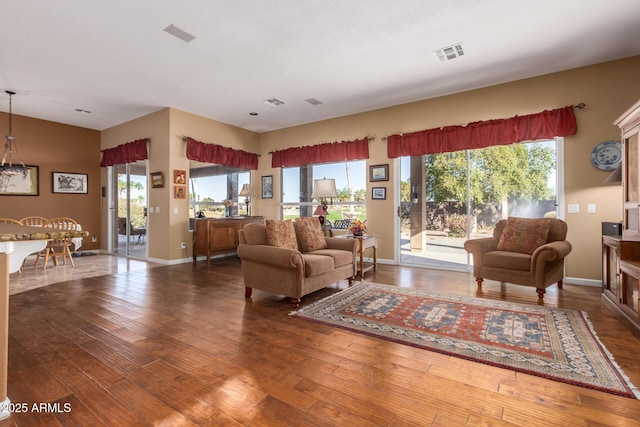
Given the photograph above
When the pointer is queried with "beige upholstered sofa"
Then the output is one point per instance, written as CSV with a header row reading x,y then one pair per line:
x,y
522,251
292,272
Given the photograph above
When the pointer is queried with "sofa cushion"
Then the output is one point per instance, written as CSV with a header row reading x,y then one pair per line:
x,y
523,235
340,257
310,234
281,233
255,234
316,264
508,260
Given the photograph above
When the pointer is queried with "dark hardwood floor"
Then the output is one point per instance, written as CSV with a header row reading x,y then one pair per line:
x,y
180,345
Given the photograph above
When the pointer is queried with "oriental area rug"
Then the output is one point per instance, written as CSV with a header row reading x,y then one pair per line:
x,y
548,342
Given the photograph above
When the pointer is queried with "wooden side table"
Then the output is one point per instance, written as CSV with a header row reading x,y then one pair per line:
x,y
365,242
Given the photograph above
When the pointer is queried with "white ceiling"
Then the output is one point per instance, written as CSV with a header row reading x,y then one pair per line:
x,y
113,58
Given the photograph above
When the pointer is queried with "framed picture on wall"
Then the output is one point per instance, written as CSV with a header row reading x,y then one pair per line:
x,y
70,183
19,180
379,173
267,187
180,192
379,193
179,177
157,180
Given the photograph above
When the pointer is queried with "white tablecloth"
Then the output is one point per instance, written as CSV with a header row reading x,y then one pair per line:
x,y
77,241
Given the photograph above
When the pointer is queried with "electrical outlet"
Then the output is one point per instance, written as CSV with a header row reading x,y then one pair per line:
x,y
94,239
183,245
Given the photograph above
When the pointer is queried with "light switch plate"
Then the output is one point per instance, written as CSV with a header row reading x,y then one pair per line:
x,y
573,208
591,208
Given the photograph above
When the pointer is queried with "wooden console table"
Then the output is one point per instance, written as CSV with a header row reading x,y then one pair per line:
x,y
16,243
217,236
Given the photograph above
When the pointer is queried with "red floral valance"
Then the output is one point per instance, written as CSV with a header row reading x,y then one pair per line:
x,y
544,125
321,153
125,153
212,153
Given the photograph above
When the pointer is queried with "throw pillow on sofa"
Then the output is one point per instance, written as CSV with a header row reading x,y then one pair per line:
x,y
281,233
310,234
523,235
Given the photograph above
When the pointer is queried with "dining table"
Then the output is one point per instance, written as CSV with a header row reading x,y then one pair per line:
x,y
16,243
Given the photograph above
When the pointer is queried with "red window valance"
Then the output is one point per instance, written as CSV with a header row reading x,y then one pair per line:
x,y
125,153
544,125
212,153
321,153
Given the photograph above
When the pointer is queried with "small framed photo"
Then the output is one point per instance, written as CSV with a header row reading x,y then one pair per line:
x,y
179,177
267,187
180,192
70,183
379,193
157,180
379,173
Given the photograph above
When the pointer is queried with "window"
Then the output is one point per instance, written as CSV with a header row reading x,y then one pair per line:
x,y
210,186
297,186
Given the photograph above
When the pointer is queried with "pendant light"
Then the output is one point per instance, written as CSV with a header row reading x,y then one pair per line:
x,y
10,145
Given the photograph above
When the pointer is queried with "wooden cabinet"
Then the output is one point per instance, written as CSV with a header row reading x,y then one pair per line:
x,y
621,255
217,236
621,279
629,124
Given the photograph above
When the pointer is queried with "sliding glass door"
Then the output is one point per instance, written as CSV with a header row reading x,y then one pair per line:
x,y
447,198
128,209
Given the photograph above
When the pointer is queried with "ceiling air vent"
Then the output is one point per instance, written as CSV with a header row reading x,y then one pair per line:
x,y
450,52
274,102
313,101
179,33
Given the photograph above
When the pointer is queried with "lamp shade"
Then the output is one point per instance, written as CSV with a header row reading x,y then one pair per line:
x,y
323,188
246,191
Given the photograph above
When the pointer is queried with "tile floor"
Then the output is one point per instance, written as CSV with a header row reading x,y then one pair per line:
x,y
85,266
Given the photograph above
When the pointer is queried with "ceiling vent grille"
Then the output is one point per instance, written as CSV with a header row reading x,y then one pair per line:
x,y
274,102
450,52
179,33
313,101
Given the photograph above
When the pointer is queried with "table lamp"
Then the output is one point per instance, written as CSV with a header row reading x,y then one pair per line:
x,y
247,192
323,189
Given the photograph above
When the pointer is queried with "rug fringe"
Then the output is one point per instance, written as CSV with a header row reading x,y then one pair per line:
x,y
612,360
322,300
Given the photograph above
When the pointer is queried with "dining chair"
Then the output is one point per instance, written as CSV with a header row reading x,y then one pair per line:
x,y
58,247
34,220
9,221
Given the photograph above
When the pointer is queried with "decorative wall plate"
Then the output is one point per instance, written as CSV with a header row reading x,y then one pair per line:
x,y
607,155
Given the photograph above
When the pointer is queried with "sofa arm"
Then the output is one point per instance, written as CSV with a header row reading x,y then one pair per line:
x,y
271,255
481,246
551,252
342,243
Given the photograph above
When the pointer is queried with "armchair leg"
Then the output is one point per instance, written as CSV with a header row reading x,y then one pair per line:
x,y
350,280
540,292
295,302
479,281
559,284
248,291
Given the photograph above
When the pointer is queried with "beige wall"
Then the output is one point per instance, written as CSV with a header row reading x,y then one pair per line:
x,y
608,90
55,147
168,217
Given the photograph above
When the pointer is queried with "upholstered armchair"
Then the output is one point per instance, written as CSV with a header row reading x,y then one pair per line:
x,y
522,251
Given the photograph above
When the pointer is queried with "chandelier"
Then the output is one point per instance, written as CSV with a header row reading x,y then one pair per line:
x,y
10,146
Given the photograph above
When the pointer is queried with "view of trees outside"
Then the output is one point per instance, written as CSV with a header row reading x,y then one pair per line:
x,y
516,180
138,190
